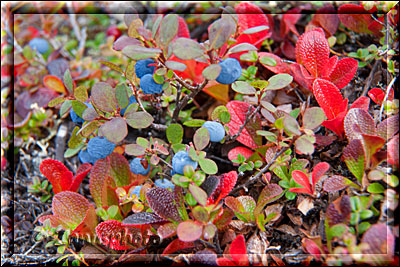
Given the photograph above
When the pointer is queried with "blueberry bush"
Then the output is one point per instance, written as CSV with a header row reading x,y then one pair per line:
x,y
243,135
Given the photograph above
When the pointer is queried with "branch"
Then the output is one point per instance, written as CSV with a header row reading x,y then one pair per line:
x,y
249,116
386,97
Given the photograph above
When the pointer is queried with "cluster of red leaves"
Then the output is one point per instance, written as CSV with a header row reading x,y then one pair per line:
x,y
304,180
226,184
237,254
61,178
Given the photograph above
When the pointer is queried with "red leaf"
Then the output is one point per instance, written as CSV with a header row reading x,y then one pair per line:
x,y
225,262
329,98
248,136
59,176
80,174
298,71
183,30
101,184
312,51
288,23
234,152
355,18
302,179
378,95
281,67
238,251
326,19
112,234
357,122
318,171
176,245
311,247
361,102
389,127
251,16
225,186
329,67
344,72
87,227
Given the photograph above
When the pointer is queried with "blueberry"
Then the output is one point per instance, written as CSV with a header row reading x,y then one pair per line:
x,y
99,147
136,191
132,99
142,67
41,45
180,160
216,130
84,157
164,183
230,71
137,167
75,118
149,86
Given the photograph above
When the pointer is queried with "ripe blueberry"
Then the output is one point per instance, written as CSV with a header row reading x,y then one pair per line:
x,y
216,130
164,183
142,67
149,86
137,167
99,147
41,45
180,160
230,71
84,157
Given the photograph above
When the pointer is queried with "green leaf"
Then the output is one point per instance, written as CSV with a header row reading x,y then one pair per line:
x,y
279,81
353,156
200,213
208,166
255,29
55,101
112,66
121,94
291,126
168,29
242,87
103,97
142,142
78,107
70,152
338,230
201,138
139,120
269,61
81,94
250,56
376,188
194,123
75,139
90,114
305,144
137,52
115,130
220,31
212,72
199,194
313,117
130,71
156,25
66,105
259,84
135,150
174,133
175,65
186,48
242,47
68,81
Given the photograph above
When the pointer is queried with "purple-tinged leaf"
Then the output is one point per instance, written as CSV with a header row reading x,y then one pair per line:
x,y
143,218
339,210
313,117
269,194
389,127
201,138
138,120
115,130
161,201
186,48
381,244
103,97
336,183
123,41
357,122
189,231
354,157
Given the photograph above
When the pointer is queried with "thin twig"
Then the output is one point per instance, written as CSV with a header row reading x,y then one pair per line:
x,y
369,79
386,97
253,179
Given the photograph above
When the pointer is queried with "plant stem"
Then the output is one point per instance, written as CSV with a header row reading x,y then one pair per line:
x,y
249,116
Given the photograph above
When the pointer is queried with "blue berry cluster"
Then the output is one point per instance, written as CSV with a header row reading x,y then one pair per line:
x,y
164,183
41,45
230,71
216,130
145,72
97,148
180,160
137,167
